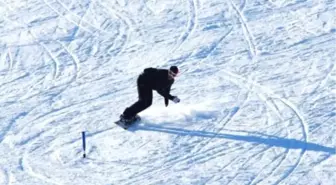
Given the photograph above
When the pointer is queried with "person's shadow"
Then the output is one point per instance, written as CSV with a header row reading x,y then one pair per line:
x,y
263,139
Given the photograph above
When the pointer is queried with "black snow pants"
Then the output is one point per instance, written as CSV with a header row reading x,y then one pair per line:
x,y
145,95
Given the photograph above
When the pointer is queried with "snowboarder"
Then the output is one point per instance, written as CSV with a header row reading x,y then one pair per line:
x,y
151,79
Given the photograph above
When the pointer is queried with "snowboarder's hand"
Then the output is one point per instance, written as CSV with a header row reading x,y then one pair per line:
x,y
176,99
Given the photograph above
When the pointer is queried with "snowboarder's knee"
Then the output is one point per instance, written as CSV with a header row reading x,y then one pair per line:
x,y
148,103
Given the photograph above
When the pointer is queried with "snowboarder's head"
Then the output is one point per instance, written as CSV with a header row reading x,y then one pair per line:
x,y
172,72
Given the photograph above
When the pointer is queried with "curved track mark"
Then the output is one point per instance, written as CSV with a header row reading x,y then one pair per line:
x,y
286,102
56,63
10,59
228,118
144,7
231,162
26,167
70,20
274,96
304,124
305,137
276,166
247,33
10,125
6,177
3,59
124,35
250,157
324,80
74,58
213,48
242,5
306,75
132,24
254,182
276,110
293,108
191,23
81,18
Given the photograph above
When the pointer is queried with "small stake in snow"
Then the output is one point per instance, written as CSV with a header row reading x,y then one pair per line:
x,y
84,144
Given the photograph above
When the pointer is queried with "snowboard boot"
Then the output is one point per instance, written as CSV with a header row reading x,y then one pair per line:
x,y
124,119
129,121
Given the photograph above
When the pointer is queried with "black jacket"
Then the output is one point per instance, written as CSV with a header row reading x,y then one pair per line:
x,y
157,79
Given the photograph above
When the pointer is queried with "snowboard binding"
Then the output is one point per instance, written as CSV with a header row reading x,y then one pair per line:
x,y
126,123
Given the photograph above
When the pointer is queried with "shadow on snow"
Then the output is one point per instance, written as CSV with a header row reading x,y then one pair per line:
x,y
267,140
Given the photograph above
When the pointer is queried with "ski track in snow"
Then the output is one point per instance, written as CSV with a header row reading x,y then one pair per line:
x,y
249,157
10,59
193,5
242,5
297,113
283,156
224,121
10,125
273,171
43,124
75,61
70,20
4,177
191,23
129,21
82,20
304,132
262,97
123,37
56,62
26,166
247,33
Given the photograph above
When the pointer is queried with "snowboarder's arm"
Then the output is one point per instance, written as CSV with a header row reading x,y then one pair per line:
x,y
166,94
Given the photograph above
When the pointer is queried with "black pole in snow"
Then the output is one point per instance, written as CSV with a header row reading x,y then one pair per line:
x,y
84,144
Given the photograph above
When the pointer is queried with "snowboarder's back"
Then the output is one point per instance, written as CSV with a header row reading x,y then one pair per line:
x,y
155,79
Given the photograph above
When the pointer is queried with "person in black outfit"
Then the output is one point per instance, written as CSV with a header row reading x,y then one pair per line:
x,y
151,79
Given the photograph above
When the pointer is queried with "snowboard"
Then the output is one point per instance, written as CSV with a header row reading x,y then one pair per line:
x,y
126,125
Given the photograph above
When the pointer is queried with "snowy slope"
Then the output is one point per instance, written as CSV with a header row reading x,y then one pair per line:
x,y
257,85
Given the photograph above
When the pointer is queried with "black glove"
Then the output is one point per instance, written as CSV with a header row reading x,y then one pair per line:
x,y
166,101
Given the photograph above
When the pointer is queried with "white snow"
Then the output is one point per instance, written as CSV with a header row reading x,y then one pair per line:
x,y
257,89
